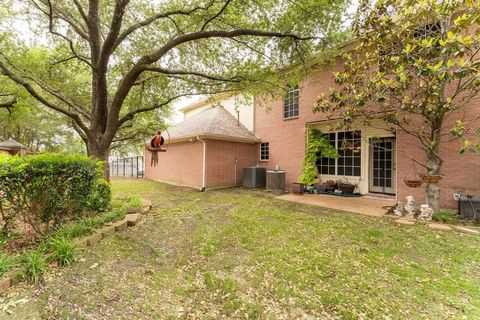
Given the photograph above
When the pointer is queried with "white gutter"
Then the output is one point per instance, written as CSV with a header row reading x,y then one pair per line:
x,y
204,161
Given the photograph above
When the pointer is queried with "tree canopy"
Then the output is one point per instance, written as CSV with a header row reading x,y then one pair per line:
x,y
102,63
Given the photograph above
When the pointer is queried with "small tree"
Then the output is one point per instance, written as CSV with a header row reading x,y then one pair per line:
x,y
416,65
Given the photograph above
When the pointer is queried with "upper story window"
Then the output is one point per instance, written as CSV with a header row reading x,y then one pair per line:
x,y
428,31
264,151
290,104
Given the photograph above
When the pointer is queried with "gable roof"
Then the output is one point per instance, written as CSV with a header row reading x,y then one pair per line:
x,y
215,123
11,144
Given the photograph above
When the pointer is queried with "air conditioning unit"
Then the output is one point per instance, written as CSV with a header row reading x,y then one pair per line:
x,y
469,208
276,181
254,177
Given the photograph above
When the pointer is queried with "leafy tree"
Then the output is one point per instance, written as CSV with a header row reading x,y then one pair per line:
x,y
108,61
417,66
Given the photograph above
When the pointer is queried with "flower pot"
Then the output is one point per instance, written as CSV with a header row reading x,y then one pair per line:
x,y
414,183
330,185
298,188
346,187
431,178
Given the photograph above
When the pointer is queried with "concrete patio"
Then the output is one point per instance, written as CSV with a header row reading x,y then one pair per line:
x,y
364,205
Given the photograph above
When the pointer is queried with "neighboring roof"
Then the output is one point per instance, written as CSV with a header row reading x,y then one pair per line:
x,y
213,122
11,144
205,101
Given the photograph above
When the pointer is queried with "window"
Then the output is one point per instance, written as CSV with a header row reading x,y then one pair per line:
x,y
431,30
290,104
348,145
264,151
327,165
349,152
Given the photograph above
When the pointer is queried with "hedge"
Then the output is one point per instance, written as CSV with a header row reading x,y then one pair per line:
x,y
48,189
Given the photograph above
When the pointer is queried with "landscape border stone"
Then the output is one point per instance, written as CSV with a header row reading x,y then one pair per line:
x,y
12,277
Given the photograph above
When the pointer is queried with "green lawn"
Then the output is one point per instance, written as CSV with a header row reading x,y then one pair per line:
x,y
245,255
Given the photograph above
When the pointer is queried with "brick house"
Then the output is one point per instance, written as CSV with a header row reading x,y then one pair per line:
x,y
210,148
380,159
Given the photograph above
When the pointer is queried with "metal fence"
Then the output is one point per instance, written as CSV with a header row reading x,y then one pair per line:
x,y
133,167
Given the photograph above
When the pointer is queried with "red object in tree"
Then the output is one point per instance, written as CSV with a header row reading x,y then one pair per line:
x,y
157,140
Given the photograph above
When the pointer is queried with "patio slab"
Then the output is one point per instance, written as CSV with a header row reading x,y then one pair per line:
x,y
363,205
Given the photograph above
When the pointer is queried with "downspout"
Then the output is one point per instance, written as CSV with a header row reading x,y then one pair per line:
x,y
204,162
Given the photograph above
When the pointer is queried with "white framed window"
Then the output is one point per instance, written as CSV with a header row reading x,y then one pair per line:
x,y
349,148
290,103
264,151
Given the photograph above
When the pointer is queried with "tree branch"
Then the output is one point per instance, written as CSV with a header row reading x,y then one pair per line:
x,y
70,41
193,73
154,18
216,15
75,117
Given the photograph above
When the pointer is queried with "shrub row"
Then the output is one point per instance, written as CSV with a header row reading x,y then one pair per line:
x,y
47,190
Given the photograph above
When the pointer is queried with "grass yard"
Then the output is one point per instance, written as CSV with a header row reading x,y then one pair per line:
x,y
241,254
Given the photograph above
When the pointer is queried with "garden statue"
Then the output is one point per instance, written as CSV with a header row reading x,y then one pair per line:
x,y
425,213
409,207
398,211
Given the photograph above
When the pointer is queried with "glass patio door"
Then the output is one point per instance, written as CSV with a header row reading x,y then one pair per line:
x,y
382,165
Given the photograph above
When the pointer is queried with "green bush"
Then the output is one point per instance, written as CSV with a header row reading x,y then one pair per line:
x,y
135,202
318,143
49,189
447,216
62,249
6,262
101,196
34,265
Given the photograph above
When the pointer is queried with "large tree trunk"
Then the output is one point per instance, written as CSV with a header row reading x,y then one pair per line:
x,y
100,152
434,164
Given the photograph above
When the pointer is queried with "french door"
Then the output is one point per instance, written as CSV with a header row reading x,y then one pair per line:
x,y
382,166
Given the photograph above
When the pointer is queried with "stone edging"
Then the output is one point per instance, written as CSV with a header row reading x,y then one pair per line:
x,y
437,226
12,278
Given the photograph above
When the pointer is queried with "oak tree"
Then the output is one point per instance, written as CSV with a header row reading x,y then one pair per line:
x,y
102,63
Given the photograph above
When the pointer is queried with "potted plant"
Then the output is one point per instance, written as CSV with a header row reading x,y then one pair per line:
x,y
298,188
346,187
330,185
431,178
317,143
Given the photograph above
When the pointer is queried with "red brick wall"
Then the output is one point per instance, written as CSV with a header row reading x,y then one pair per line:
x,y
462,171
287,143
287,137
181,164
221,155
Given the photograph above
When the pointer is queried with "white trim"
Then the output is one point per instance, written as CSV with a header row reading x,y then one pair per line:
x,y
213,136
204,165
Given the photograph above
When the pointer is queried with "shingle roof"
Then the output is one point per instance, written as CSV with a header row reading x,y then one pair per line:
x,y
214,122
11,144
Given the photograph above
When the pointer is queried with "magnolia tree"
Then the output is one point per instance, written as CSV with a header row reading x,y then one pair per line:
x,y
417,66
102,63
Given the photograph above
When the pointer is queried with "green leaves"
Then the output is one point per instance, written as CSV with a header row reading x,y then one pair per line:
x,y
317,143
48,189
